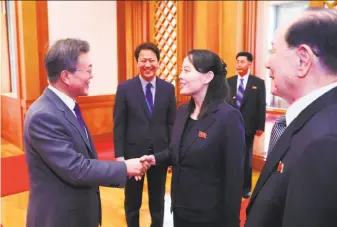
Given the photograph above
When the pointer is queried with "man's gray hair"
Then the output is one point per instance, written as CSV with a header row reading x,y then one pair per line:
x,y
63,55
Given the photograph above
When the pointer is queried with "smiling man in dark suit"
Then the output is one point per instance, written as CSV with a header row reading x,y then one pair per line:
x,y
298,184
248,94
64,173
144,114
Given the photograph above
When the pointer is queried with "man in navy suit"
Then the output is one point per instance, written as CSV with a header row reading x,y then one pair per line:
x,y
248,94
298,184
64,173
144,114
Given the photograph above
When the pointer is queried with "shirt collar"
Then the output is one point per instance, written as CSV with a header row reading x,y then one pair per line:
x,y
299,105
65,98
144,82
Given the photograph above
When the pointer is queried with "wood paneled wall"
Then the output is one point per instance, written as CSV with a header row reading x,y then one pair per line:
x,y
214,25
11,120
32,44
97,113
218,26
135,25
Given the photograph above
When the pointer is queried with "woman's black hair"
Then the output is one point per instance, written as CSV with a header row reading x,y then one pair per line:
x,y
205,61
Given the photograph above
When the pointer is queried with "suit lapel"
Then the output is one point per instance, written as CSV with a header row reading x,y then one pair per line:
x,y
93,150
274,157
233,85
201,126
72,119
178,132
158,97
67,114
282,146
141,97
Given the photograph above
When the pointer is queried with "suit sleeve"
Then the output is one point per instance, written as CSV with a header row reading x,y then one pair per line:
x,y
233,149
171,112
164,157
119,118
49,138
262,107
311,195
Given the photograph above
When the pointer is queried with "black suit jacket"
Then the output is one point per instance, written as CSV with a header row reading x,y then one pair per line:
x,y
253,107
207,174
304,194
134,129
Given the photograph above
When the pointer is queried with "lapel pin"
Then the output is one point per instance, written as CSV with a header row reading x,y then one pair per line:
x,y
254,87
234,97
202,134
280,167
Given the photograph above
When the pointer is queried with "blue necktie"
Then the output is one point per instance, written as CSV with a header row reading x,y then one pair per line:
x,y
79,117
276,132
239,94
149,99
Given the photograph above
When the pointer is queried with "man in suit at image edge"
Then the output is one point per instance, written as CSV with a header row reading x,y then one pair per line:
x,y
297,186
64,173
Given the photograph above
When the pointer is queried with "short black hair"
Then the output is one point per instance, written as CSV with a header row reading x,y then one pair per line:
x,y
205,61
245,54
317,28
147,46
63,55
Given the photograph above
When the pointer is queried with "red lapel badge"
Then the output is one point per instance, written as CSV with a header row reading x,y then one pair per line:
x,y
280,167
202,134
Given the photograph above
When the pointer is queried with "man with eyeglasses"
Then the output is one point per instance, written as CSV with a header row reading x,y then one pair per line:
x,y
64,173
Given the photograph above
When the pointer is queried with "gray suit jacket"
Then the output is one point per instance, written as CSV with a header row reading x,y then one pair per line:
x,y
64,172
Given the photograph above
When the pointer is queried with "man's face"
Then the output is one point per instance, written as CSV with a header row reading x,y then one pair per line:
x,y
282,63
147,64
79,81
242,65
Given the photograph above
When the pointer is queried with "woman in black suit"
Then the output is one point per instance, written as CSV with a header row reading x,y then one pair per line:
x,y
207,148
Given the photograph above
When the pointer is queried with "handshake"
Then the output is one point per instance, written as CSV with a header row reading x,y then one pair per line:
x,y
137,167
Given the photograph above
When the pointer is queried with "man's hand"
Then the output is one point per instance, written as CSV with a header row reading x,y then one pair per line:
x,y
147,161
259,132
150,159
120,159
135,168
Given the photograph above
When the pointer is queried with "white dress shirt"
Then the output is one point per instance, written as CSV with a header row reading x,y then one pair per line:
x,y
245,80
299,105
70,103
153,88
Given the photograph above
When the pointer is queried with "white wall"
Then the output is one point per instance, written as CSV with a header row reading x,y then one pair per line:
x,y
95,22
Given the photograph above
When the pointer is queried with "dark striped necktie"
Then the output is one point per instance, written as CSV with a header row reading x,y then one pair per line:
x,y
239,94
277,130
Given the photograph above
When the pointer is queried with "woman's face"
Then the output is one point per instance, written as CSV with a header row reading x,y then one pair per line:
x,y
193,82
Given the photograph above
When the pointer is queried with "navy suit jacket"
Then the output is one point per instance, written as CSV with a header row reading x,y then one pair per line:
x,y
304,193
64,173
134,128
207,173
